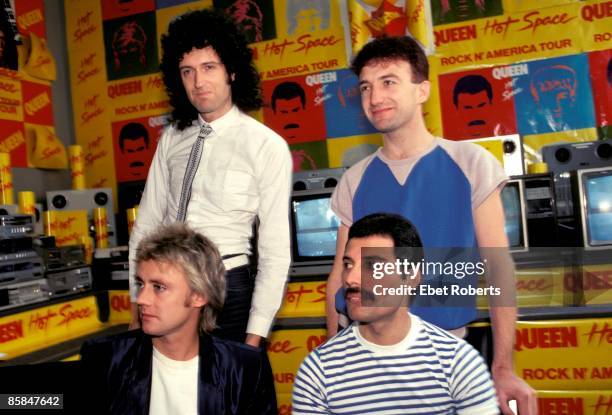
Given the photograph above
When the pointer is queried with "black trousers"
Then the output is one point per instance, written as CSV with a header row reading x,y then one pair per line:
x,y
234,317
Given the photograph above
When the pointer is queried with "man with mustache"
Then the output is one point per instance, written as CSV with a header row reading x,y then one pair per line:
x,y
450,191
389,361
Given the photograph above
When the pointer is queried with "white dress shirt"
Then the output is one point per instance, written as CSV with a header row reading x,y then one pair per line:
x,y
244,172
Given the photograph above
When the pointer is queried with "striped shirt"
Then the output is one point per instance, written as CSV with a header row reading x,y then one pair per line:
x,y
429,371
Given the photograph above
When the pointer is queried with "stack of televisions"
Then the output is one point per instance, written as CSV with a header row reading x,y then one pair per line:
x,y
568,206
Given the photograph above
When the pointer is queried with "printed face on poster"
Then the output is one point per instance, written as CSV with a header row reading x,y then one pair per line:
x,y
477,104
134,144
130,45
294,109
554,95
254,17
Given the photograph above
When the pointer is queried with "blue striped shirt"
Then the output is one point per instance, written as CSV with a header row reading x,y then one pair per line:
x,y
430,371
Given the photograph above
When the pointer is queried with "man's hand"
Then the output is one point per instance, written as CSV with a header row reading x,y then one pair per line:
x,y
508,387
253,340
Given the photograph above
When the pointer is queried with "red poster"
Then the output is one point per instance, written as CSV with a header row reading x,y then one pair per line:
x,y
477,104
601,83
30,15
12,140
118,8
134,143
37,107
294,109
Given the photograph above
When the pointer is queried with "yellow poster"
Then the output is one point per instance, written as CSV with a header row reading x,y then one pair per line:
x,y
304,299
596,20
534,143
300,54
120,307
347,151
47,325
510,38
578,402
287,349
68,226
136,97
564,354
283,403
596,284
11,103
299,17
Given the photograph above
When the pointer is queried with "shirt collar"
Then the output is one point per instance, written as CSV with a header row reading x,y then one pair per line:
x,y
222,122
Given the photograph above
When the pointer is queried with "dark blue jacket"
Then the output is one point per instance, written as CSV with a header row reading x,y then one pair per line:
x,y
233,378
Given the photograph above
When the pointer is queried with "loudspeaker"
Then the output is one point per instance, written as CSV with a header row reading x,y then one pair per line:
x,y
573,156
86,199
317,179
566,157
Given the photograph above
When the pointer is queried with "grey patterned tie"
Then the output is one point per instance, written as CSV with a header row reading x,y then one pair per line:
x,y
190,171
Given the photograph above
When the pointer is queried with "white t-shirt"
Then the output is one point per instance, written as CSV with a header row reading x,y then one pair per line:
x,y
174,386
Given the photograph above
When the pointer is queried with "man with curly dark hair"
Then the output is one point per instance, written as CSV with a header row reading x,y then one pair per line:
x,y
218,169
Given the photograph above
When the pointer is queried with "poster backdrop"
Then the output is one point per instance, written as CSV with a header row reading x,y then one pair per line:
x,y
498,67
27,69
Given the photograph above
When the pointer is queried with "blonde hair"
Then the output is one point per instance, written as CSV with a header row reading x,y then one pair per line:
x,y
197,257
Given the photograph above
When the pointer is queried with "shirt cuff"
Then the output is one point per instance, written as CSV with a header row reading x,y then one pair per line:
x,y
259,325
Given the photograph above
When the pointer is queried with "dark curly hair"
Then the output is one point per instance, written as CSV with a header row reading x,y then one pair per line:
x,y
200,29
392,48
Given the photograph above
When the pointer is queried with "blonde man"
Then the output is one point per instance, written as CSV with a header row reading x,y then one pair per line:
x,y
172,365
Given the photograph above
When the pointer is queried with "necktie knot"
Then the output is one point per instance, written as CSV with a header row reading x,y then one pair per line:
x,y
205,130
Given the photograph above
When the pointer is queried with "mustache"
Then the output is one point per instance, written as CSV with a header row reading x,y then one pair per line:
x,y
366,296
137,164
290,126
476,122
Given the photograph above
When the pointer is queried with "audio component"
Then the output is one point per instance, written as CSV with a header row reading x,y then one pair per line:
x,y
86,199
23,293
69,281
317,179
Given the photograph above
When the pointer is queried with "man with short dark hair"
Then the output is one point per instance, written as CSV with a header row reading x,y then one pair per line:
x,y
449,190
389,361
172,365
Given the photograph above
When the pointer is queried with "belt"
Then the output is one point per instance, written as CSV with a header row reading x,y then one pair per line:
x,y
235,261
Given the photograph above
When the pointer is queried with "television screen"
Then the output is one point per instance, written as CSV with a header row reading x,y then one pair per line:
x,y
598,200
314,227
513,212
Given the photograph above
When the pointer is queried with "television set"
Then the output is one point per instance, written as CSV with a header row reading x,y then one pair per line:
x,y
594,189
512,196
314,228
